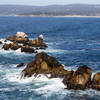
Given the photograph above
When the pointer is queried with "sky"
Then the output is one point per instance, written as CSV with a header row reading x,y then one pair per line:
x,y
48,2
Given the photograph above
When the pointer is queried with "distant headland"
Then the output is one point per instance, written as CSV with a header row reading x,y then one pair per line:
x,y
71,10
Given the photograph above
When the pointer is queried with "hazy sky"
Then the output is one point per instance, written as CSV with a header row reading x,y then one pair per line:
x,y
48,2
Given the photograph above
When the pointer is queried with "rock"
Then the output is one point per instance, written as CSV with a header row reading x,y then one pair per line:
x,y
20,37
38,43
5,41
20,65
15,46
80,79
11,38
44,64
32,43
22,40
27,49
96,81
41,36
6,46
0,42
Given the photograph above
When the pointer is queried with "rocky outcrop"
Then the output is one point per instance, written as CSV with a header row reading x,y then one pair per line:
x,y
38,43
18,39
44,64
15,46
6,46
96,81
21,35
79,79
20,65
28,49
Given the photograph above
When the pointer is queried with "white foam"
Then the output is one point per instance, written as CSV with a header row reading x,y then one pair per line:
x,y
46,86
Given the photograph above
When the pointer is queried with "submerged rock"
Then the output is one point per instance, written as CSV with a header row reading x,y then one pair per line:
x,y
20,65
44,64
80,79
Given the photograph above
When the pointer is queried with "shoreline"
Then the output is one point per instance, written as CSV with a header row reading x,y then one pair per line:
x,y
66,16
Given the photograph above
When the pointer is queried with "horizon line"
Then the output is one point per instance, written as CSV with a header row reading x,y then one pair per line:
x,y
48,5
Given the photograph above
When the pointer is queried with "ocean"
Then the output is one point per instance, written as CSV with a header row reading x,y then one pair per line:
x,y
73,41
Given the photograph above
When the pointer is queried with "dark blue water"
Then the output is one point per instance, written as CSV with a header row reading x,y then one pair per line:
x,y
73,41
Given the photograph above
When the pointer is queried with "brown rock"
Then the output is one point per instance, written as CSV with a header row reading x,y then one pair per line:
x,y
45,64
11,38
18,39
96,81
28,49
38,43
32,42
6,46
80,79
15,46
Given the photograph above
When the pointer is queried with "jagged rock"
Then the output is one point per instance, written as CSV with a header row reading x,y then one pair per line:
x,y
20,37
15,46
96,81
38,43
80,79
6,46
44,64
32,42
11,38
28,49
20,65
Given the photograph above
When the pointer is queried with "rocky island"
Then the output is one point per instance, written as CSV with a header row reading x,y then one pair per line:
x,y
21,40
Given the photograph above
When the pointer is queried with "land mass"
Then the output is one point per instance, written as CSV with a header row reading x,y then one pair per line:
x,y
51,10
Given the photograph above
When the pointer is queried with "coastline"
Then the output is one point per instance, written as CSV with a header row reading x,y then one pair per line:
x,y
60,16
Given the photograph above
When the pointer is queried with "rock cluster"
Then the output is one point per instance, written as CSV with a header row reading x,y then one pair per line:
x,y
21,40
48,65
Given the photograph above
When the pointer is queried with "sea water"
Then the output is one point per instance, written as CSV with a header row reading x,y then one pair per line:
x,y
73,41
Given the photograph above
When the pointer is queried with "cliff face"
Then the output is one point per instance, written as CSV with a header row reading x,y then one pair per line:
x,y
52,10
